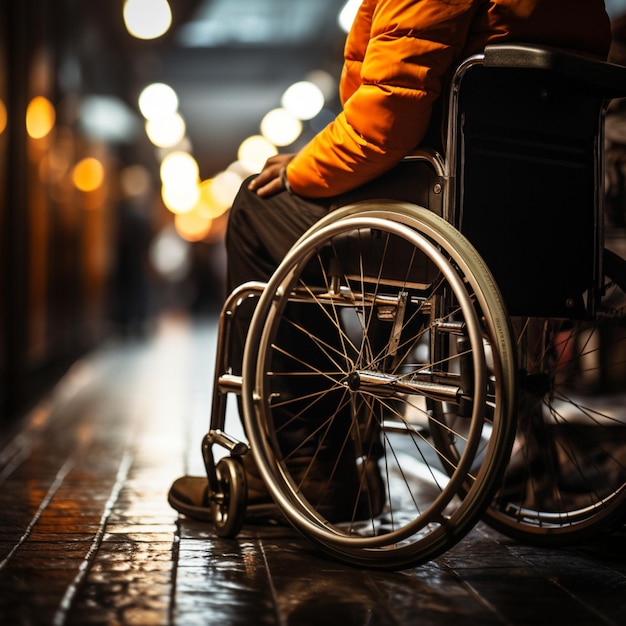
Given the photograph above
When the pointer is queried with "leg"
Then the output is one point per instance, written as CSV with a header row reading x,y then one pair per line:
x,y
260,232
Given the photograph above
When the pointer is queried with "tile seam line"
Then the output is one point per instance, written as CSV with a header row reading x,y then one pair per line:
x,y
54,487
175,564
274,594
68,597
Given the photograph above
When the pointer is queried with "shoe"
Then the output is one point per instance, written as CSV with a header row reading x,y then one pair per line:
x,y
189,495
355,492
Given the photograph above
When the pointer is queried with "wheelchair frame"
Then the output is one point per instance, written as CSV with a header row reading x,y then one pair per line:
x,y
472,445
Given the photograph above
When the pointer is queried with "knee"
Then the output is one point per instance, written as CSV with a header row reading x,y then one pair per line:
x,y
243,199
240,207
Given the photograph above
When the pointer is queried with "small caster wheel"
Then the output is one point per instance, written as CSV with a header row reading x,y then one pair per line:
x,y
229,504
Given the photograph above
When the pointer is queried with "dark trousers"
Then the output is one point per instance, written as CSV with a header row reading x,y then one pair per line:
x,y
262,230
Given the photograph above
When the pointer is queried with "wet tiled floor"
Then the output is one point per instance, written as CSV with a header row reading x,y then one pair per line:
x,y
87,536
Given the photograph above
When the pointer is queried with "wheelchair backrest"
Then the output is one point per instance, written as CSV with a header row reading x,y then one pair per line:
x,y
525,144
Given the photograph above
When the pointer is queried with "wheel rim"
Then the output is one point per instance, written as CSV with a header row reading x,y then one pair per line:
x,y
433,520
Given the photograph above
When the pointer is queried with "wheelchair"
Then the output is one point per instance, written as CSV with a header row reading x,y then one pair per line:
x,y
470,344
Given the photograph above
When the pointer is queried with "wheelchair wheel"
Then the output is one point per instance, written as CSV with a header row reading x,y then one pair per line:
x,y
229,505
566,480
380,310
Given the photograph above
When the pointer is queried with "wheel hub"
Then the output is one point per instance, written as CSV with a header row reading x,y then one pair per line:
x,y
354,381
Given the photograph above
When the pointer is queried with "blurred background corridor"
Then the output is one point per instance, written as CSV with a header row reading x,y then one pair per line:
x,y
125,131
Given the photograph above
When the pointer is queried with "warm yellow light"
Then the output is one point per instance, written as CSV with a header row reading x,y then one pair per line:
x,y
281,127
254,151
223,189
88,174
180,199
166,132
179,174
40,117
158,100
147,19
179,170
3,117
206,205
303,100
193,226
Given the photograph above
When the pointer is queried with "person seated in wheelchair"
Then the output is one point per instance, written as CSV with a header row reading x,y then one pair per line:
x,y
399,57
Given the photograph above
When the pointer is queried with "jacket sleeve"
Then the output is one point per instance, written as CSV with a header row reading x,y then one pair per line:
x,y
411,48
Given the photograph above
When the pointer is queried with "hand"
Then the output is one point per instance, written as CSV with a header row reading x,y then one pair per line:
x,y
269,181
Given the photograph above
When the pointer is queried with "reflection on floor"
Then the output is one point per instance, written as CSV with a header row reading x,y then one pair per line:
x,y
87,537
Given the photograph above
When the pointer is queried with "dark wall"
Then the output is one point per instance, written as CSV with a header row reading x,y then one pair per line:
x,y
53,237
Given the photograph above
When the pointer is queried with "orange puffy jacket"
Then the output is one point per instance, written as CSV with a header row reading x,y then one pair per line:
x,y
398,56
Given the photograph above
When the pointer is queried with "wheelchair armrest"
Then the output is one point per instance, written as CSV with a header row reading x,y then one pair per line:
x,y
430,155
607,80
